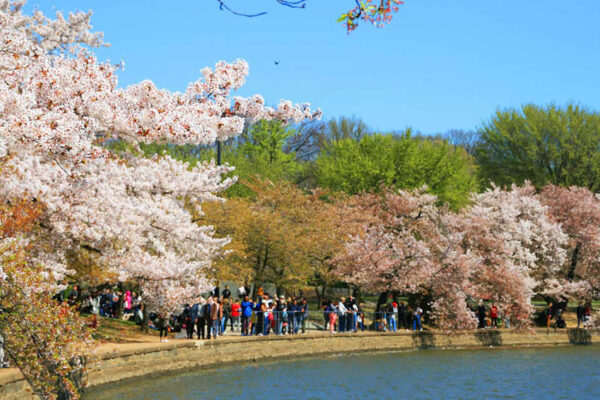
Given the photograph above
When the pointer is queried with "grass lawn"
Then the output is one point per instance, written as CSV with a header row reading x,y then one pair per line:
x,y
116,330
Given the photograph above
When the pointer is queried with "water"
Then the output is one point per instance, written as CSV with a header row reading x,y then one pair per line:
x,y
546,373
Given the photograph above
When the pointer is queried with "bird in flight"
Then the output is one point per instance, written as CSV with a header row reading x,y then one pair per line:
x,y
276,62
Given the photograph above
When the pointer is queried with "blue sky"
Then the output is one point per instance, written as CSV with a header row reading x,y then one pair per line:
x,y
440,65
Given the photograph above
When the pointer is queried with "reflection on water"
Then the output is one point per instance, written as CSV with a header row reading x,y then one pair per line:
x,y
549,373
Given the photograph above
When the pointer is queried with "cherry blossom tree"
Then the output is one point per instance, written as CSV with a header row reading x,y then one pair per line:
x,y
518,246
504,248
376,12
59,103
577,210
412,246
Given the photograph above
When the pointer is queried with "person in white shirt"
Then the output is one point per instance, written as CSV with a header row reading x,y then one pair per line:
x,y
342,312
417,319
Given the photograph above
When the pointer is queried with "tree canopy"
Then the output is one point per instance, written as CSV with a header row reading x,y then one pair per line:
x,y
400,161
543,145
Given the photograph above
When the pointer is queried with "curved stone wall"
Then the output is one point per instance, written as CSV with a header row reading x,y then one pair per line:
x,y
126,361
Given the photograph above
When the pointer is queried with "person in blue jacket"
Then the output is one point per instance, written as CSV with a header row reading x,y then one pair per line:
x,y
246,314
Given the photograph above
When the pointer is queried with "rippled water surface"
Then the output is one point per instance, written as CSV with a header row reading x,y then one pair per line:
x,y
547,373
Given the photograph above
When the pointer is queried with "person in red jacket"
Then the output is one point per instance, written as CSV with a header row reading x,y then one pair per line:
x,y
494,315
236,309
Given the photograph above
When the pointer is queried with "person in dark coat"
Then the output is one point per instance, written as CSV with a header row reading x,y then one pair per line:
x,y
580,313
188,321
481,311
402,320
207,319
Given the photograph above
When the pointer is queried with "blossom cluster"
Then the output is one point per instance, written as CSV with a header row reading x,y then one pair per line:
x,y
507,246
376,12
59,103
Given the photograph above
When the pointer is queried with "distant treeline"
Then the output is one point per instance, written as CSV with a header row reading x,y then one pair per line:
x,y
550,144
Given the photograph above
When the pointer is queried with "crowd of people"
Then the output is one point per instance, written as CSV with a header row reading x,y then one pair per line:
x,y
210,317
217,313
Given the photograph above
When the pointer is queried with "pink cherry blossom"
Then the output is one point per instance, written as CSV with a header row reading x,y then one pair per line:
x,y
58,103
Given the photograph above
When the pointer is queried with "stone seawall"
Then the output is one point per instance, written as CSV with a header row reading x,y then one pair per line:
x,y
125,361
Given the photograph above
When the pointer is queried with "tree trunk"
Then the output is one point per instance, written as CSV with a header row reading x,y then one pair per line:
x,y
574,260
382,299
145,319
319,297
121,301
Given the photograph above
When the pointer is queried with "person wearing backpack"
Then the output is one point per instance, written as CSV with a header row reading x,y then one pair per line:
x,y
391,311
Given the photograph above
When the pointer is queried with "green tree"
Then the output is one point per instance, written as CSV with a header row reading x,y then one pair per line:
x,y
400,161
263,150
549,144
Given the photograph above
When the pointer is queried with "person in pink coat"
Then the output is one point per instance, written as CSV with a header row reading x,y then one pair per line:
x,y
128,301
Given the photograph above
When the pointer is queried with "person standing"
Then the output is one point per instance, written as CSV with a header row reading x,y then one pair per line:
x,y
94,309
325,308
494,316
127,302
241,292
226,293
360,319
235,314
332,311
507,317
163,327
246,314
580,313
548,313
201,307
481,311
587,313
260,321
73,296
303,314
278,315
226,314
215,318
188,321
417,319
342,313
352,315
391,316
292,313
402,316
